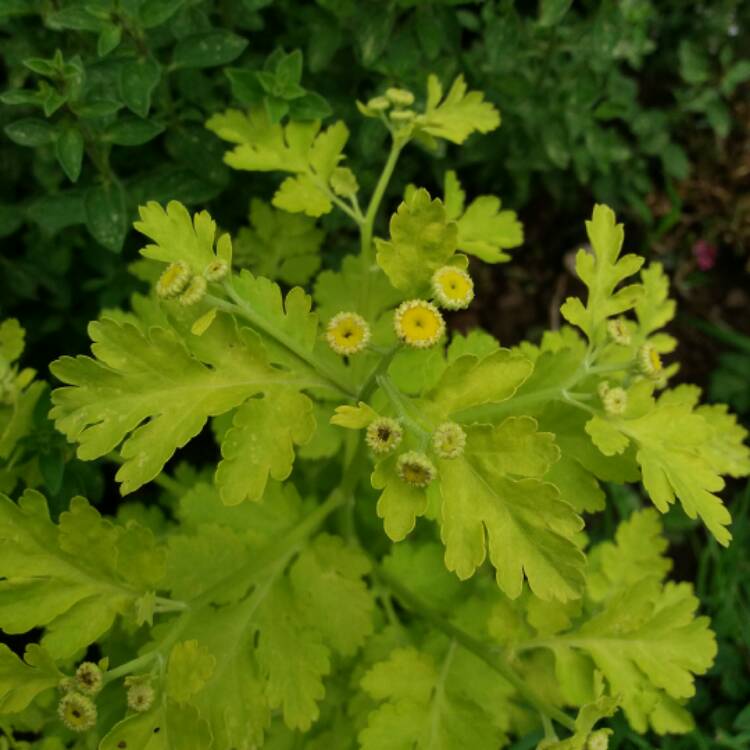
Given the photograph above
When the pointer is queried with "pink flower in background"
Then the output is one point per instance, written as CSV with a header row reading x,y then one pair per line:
x,y
705,253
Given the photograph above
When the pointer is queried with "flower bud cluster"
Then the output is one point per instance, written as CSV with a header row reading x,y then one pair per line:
x,y
178,281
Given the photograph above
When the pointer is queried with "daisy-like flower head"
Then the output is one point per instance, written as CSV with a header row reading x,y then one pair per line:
x,y
400,97
173,280
649,361
383,435
615,401
194,292
415,469
89,678
347,333
216,270
418,323
140,697
77,712
598,740
618,331
452,287
449,440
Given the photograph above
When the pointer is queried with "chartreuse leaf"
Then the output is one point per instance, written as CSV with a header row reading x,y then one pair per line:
x,y
22,681
654,309
261,443
491,499
633,635
458,115
12,337
73,578
448,699
483,229
168,726
149,391
268,608
601,270
279,245
586,720
177,237
301,148
670,437
422,240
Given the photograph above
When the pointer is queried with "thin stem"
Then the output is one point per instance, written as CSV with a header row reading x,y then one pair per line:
x,y
130,666
493,660
370,382
402,406
377,197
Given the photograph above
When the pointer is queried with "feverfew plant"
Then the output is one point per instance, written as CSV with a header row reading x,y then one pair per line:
x,y
390,550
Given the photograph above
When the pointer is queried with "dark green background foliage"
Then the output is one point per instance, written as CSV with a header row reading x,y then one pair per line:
x,y
104,107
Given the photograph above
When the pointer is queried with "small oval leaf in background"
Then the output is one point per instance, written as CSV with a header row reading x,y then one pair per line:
x,y
208,49
138,79
69,152
133,131
106,215
30,131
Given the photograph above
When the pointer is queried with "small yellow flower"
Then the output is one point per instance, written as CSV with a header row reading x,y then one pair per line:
x,y
400,97
615,401
415,469
618,331
452,287
449,440
418,323
383,435
173,280
89,678
649,361
216,270
347,333
77,712
194,292
140,697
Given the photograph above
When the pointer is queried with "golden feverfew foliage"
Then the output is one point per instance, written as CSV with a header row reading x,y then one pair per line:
x,y
390,549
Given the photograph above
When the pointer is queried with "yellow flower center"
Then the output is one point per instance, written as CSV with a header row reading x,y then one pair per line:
x,y
452,287
347,333
418,323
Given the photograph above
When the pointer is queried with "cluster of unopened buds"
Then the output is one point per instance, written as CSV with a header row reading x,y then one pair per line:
x,y
417,322
77,707
178,281
396,103
384,435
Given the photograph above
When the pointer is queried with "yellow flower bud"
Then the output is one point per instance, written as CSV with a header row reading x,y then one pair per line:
x,y
449,440
383,435
415,469
618,331
347,333
194,292
598,740
649,361
216,270
77,712
418,323
89,678
452,287
400,97
402,115
140,697
379,104
615,401
173,280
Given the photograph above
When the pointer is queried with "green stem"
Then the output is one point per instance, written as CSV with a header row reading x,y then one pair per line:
x,y
377,197
493,660
370,382
402,405
242,309
130,666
